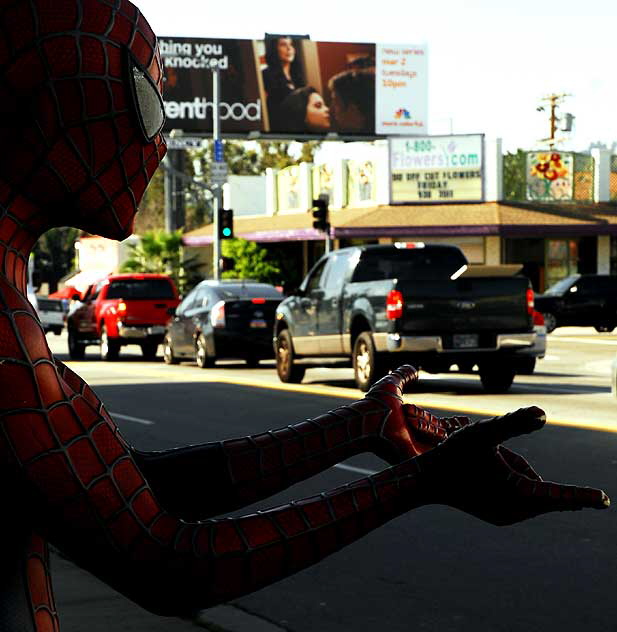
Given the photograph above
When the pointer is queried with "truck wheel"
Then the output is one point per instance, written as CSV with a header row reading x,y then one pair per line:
x,y
168,351
204,361
252,361
526,366
604,328
149,349
77,350
549,321
287,371
368,366
496,377
110,349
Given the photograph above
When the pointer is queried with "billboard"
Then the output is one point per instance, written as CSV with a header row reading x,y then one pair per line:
x,y
550,176
437,169
294,86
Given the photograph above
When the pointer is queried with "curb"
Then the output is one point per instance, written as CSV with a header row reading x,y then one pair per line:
x,y
232,619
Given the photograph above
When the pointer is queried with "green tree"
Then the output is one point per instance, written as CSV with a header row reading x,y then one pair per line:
x,y
54,255
161,252
151,214
515,176
251,262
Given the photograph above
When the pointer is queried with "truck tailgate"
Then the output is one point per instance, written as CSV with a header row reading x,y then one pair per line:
x,y
148,312
476,304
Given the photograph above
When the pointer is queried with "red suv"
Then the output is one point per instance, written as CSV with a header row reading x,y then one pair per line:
x,y
120,310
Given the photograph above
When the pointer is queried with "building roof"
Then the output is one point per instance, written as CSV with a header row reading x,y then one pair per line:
x,y
490,218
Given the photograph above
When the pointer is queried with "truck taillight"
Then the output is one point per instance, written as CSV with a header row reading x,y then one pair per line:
x,y
121,307
530,302
394,305
217,315
538,318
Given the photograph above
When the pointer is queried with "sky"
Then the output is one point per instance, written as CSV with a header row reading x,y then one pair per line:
x,y
490,61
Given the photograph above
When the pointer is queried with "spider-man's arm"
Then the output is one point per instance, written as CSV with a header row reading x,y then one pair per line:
x,y
249,469
112,524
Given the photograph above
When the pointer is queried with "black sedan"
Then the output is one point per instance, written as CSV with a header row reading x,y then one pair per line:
x,y
223,319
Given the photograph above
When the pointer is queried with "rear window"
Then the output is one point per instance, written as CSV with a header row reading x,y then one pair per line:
x,y
248,291
49,305
428,263
136,289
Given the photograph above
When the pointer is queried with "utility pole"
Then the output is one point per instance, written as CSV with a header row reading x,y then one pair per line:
x,y
554,101
218,191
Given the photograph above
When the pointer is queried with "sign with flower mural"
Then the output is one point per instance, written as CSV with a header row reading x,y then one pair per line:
x,y
550,176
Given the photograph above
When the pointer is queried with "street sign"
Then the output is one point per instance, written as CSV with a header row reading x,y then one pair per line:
x,y
218,173
185,142
218,150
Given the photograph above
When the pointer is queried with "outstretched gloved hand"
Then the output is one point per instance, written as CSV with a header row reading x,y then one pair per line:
x,y
473,472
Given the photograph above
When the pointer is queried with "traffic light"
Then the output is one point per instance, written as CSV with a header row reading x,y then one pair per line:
x,y
226,224
320,213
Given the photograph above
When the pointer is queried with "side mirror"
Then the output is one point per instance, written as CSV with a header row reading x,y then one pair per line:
x,y
76,297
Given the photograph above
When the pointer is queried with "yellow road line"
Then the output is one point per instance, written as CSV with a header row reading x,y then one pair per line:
x,y
213,376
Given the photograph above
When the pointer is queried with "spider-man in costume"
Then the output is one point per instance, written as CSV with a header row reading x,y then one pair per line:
x,y
81,112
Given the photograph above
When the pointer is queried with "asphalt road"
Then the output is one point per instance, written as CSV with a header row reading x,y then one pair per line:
x,y
434,569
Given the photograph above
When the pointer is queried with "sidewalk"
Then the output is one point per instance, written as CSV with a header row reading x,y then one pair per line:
x,y
85,604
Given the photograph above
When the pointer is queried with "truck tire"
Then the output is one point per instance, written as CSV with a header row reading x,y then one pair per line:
x,y
368,365
149,349
606,328
110,348
550,321
496,377
288,372
204,361
77,350
526,366
168,351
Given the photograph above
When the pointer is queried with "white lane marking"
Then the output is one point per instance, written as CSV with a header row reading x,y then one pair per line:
x,y
137,420
356,470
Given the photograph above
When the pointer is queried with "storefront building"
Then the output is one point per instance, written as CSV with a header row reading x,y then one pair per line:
x,y
562,219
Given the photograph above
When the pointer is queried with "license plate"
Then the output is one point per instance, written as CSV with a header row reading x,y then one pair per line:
x,y
157,329
258,324
464,341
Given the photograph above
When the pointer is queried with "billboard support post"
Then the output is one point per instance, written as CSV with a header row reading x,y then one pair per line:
x,y
218,191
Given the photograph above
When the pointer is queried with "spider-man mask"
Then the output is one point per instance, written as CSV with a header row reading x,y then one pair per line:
x,y
80,99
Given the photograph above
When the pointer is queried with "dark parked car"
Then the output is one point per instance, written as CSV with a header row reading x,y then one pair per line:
x,y
580,300
223,319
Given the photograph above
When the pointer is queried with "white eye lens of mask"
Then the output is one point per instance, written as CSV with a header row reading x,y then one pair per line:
x,y
149,103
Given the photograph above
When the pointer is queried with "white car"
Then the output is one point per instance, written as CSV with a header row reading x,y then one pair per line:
x,y
51,313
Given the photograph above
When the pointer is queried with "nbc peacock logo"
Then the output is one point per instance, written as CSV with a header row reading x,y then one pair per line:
x,y
402,113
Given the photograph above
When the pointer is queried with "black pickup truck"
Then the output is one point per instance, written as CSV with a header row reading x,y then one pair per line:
x,y
582,300
382,306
